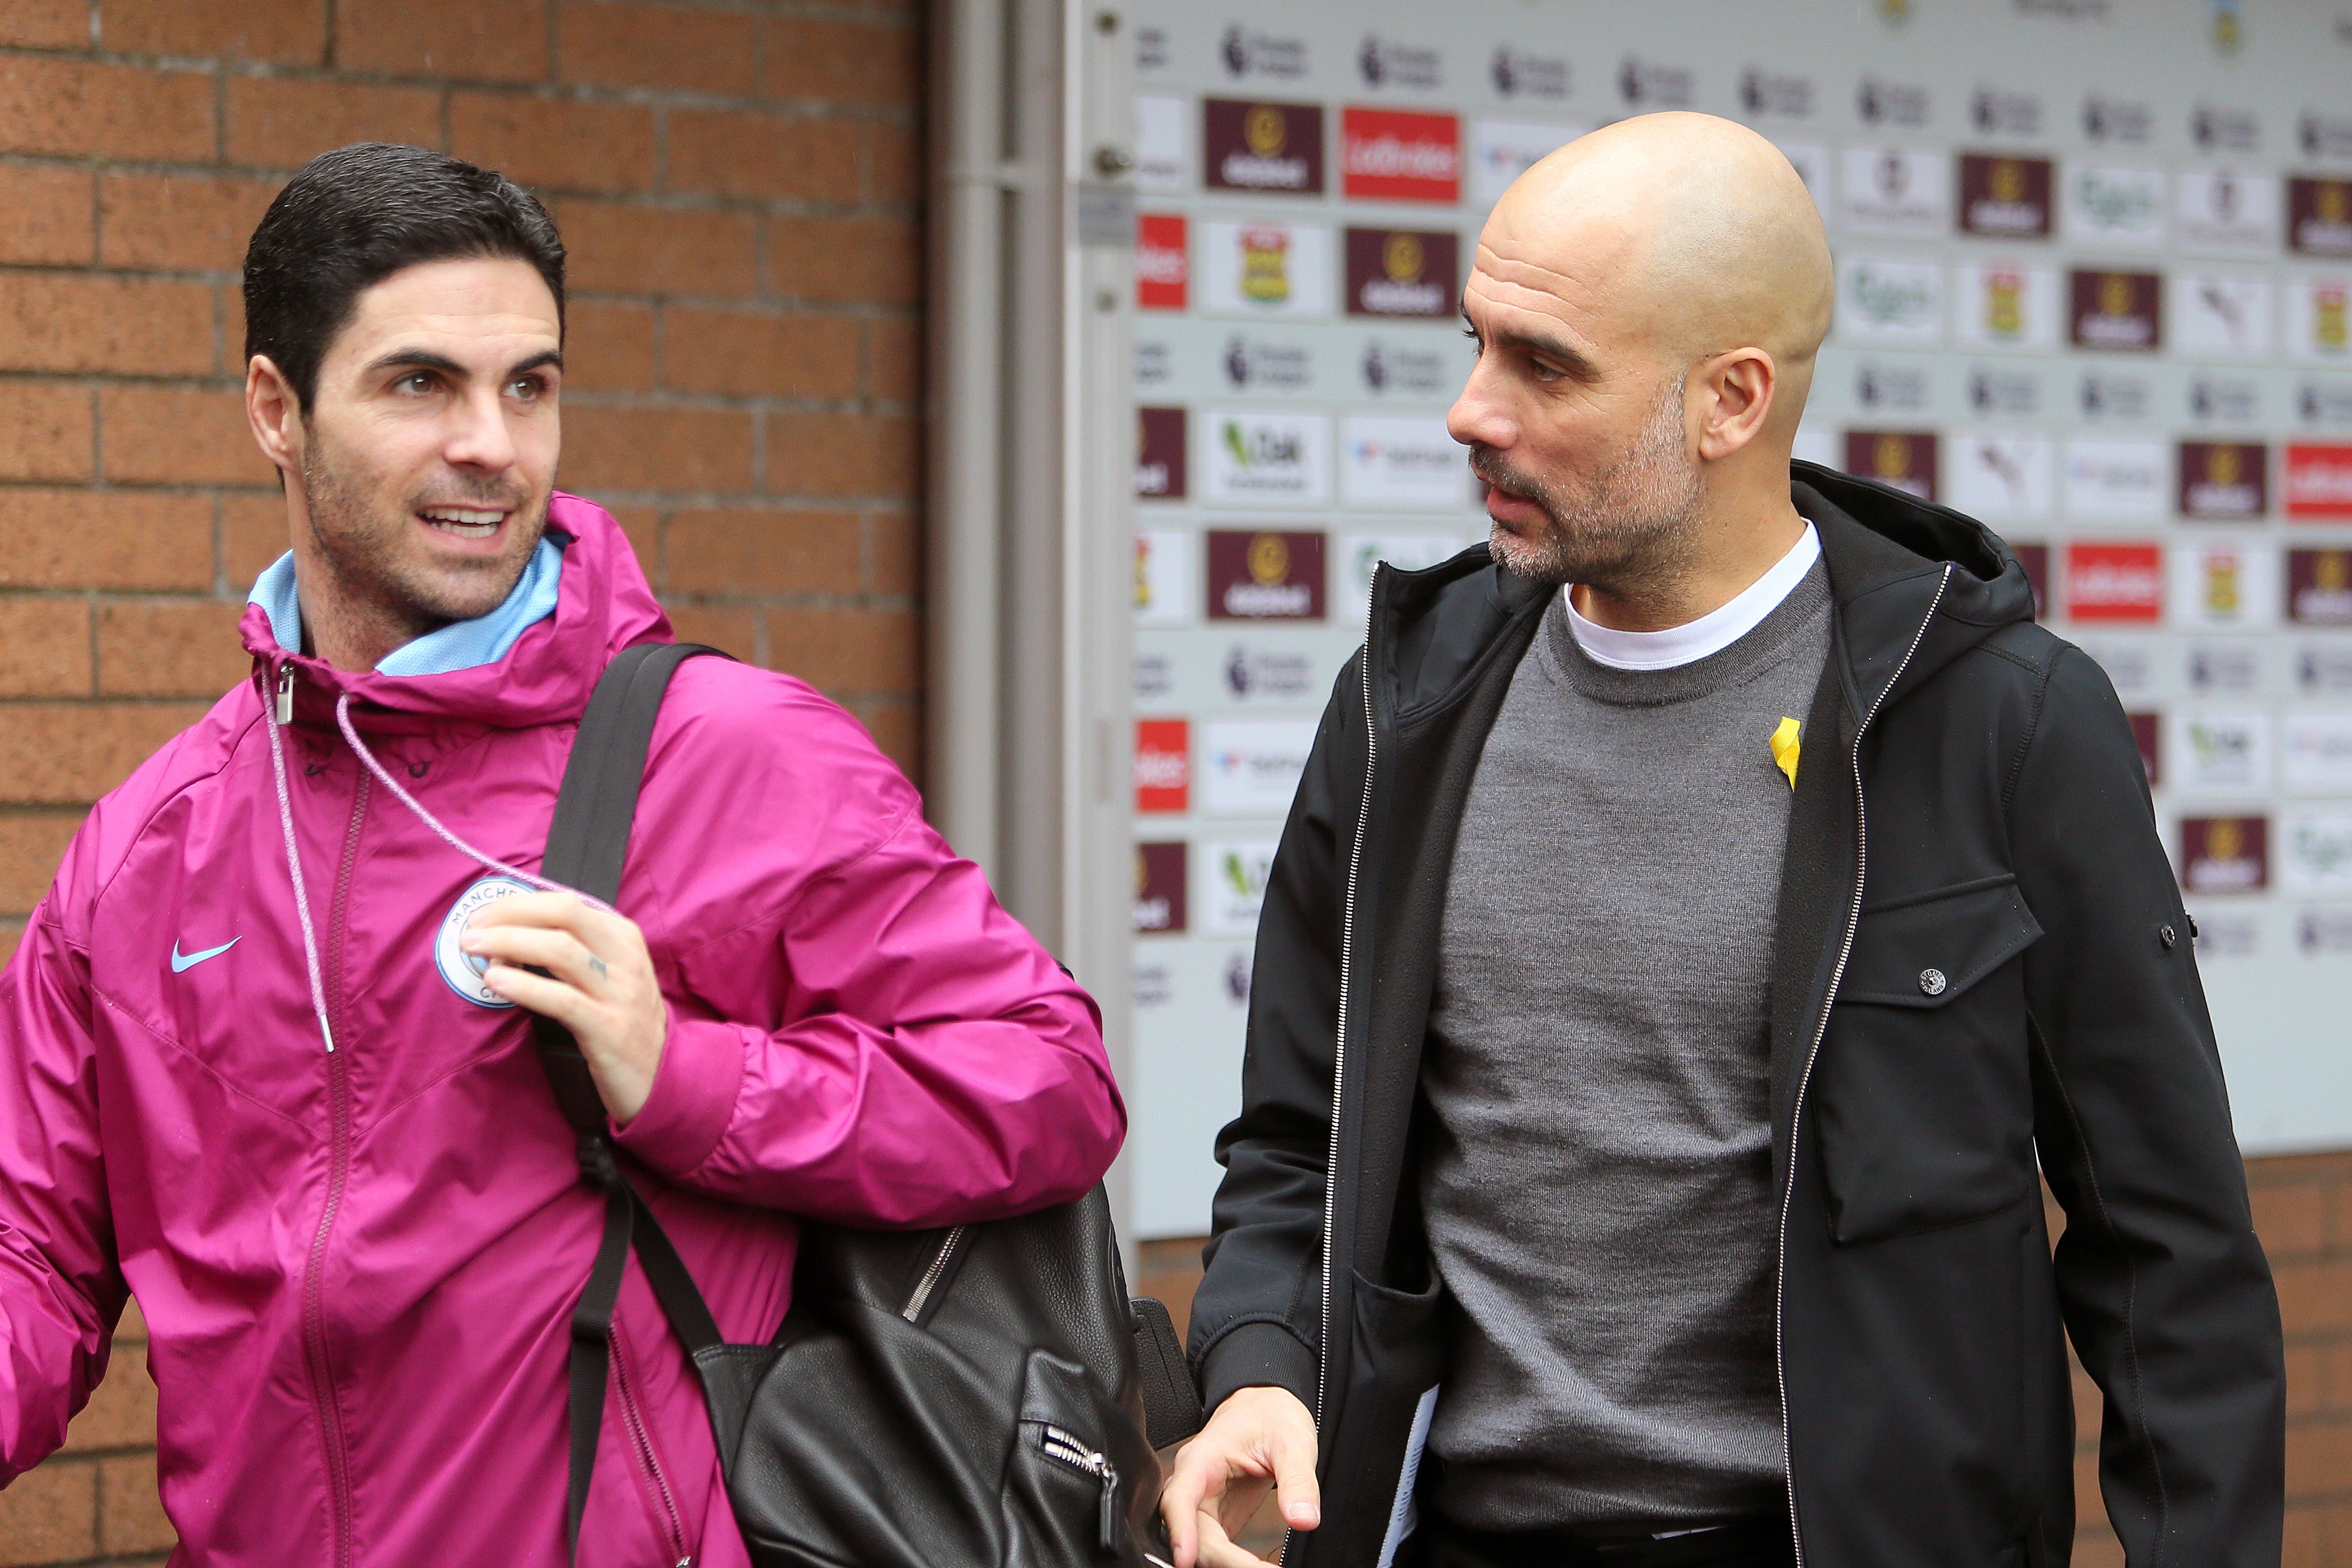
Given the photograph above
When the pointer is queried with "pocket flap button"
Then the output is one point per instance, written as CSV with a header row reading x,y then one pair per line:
x,y
1932,981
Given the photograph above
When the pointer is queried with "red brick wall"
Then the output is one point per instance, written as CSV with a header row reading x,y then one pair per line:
x,y
738,182
2302,1210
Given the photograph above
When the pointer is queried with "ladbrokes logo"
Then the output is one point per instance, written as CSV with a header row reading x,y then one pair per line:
x,y
2225,854
2003,195
2224,481
1904,458
2318,480
1263,146
2319,217
2115,582
1393,154
1401,272
2117,310
1163,268
1257,576
2319,587
1163,764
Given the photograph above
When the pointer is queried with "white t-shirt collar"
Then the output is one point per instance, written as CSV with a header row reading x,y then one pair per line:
x,y
1711,632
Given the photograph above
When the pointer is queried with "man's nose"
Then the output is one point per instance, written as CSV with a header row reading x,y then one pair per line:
x,y
1475,420
478,436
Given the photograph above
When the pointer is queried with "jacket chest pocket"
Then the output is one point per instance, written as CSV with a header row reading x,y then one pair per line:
x,y
1922,1095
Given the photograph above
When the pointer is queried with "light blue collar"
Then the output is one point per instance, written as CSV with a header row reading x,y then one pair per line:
x,y
460,644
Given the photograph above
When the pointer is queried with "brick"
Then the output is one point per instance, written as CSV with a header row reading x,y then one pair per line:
x,y
826,61
81,109
11,933
2304,1543
49,216
2319,1460
179,223
728,154
763,552
894,552
291,32
185,649
847,652
2290,1219
124,325
894,358
643,525
841,454
555,144
462,39
737,353
2315,1296
275,124
608,347
46,652
44,23
254,531
845,260
694,449
727,630
131,1509
623,249
894,162
166,436
897,731
2307,1380
45,431
104,539
58,753
121,1410
621,45
49,1515
31,845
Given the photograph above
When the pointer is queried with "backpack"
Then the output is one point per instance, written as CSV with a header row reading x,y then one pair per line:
x,y
979,1396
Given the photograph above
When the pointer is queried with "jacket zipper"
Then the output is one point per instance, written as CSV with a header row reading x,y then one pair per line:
x,y
1067,1448
1805,1077
913,1310
314,1325
642,1443
1339,1040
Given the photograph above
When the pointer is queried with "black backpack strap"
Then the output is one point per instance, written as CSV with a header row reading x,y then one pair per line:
x,y
587,845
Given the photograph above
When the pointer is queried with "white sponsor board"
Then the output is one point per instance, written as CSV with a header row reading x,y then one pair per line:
x,y
1812,166
2109,207
1264,268
2006,305
1351,576
1904,191
1250,767
2319,325
2315,754
2218,754
1503,150
1163,144
1259,458
2218,587
2222,212
1402,462
2219,315
2001,477
1886,299
2120,481
1165,578
1232,878
2315,851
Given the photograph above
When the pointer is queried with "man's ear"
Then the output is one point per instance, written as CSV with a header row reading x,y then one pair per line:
x,y
274,413
1741,384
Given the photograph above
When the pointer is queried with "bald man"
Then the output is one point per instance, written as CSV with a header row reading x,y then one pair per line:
x,y
1709,908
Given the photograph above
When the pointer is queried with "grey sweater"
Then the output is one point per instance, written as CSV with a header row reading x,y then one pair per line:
x,y
1598,1186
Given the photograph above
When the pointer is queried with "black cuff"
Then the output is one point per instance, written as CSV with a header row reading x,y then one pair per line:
x,y
1257,1355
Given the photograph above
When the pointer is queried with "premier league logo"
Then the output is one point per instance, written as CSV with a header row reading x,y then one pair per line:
x,y
464,971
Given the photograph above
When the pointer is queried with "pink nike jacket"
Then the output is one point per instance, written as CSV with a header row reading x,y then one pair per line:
x,y
357,1265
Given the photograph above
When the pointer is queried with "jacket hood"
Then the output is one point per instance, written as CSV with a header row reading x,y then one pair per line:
x,y
1891,557
604,604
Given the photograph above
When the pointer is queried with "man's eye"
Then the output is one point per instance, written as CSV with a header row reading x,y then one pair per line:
x,y
526,387
414,383
1544,372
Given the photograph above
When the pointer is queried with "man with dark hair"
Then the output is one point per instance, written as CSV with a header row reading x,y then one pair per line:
x,y
265,1040
1709,908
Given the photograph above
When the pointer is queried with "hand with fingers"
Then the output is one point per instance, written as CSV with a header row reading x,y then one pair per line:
x,y
599,984
1257,1437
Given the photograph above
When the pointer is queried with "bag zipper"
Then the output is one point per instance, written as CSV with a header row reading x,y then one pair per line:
x,y
640,1443
913,1310
1069,1450
1804,1077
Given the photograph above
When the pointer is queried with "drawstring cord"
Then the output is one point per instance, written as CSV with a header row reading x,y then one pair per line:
x,y
282,713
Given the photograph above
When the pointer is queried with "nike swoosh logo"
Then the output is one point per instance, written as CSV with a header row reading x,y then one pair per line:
x,y
183,962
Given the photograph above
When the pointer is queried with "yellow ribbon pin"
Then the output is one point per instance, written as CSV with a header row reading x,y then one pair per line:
x,y
1784,748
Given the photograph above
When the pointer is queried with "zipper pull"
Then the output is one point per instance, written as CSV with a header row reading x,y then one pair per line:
x,y
285,692
1109,1504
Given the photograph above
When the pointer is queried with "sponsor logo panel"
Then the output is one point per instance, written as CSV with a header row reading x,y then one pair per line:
x,y
1163,144
1250,767
2116,310
2325,929
2121,396
1407,370
1516,73
1237,876
1501,150
1159,454
1403,272
1776,95
1361,553
2319,217
1878,101
2217,130
1385,62
1269,675
1163,764
2317,480
2227,315
2009,390
1646,84
1255,458
1264,576
2115,206
1400,155
2324,669
2324,402
2115,581
2315,753
2116,480
2225,213
2225,854
2316,852
2219,399
1260,269
1245,52
1258,364
2004,111
1163,577
2004,196
1894,302
1896,191
1999,305
2003,477
1160,888
2220,752
2319,328
2148,729
1906,460
1276,148
2235,668
2035,558
1163,262
1894,386
2223,481
2319,587
1402,460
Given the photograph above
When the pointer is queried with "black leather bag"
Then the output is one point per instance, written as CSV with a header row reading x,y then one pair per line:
x,y
983,1396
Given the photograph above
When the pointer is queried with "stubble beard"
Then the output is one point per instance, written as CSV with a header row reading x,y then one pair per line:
x,y
1628,529
377,574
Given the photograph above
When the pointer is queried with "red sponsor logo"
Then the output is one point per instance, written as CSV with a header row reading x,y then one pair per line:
x,y
2225,854
2319,217
2115,582
1264,576
2116,309
2145,733
1163,764
2035,559
2005,195
1160,888
1396,155
2319,587
2318,480
1263,146
2223,481
1163,262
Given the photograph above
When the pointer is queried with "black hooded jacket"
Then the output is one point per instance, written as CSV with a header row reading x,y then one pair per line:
x,y
1969,801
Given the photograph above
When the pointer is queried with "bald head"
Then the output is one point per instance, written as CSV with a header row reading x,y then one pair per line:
x,y
1703,236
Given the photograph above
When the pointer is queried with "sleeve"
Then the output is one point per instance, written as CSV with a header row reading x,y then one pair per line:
x,y
61,1291
918,1059
2163,1285
1258,1315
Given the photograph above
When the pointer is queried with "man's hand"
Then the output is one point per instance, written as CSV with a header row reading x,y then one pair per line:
x,y
1257,1436
599,984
